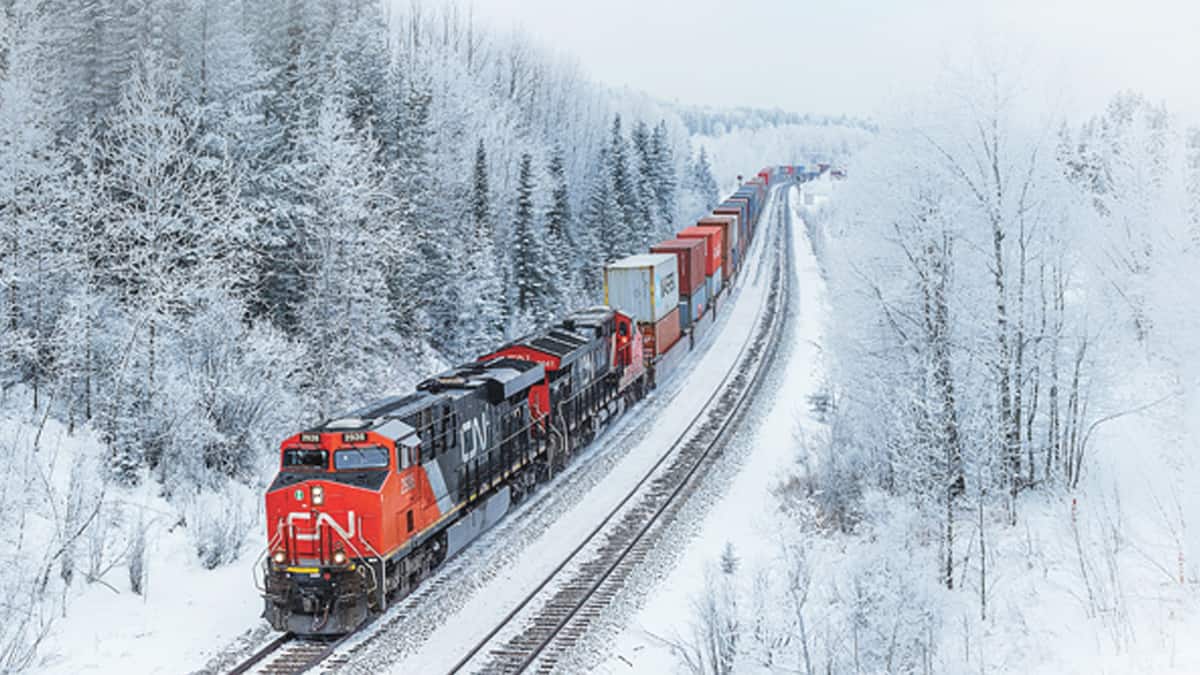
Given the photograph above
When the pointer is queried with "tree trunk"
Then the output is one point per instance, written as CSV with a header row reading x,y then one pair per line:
x,y
982,564
1010,443
948,573
1019,349
1074,420
1052,431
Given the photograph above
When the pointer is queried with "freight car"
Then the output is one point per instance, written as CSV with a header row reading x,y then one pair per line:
x,y
369,502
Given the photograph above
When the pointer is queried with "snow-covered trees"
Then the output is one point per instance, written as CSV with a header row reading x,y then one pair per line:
x,y
484,307
996,279
220,219
345,314
630,236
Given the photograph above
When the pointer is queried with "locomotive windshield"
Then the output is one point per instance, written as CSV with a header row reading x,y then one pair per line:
x,y
354,459
302,458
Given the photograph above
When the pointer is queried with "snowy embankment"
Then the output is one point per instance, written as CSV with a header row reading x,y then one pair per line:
x,y
506,564
97,623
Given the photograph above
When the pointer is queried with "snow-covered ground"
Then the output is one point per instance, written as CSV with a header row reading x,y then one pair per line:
x,y
100,625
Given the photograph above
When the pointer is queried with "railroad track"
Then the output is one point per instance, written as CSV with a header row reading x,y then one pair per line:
x,y
545,632
288,654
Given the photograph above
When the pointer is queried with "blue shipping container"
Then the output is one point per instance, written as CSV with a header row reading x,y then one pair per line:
x,y
698,303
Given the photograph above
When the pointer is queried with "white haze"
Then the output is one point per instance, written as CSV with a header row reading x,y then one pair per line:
x,y
858,56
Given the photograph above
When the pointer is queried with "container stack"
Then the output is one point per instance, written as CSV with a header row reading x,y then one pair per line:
x,y
646,287
714,248
693,289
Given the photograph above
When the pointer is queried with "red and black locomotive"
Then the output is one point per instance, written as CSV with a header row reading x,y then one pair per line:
x,y
367,503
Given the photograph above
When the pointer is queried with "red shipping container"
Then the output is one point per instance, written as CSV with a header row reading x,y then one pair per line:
x,y
714,238
691,254
728,225
658,338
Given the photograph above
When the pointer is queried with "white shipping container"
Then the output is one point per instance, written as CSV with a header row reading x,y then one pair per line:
x,y
646,286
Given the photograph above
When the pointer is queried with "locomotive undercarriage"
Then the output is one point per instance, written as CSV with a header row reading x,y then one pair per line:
x,y
315,601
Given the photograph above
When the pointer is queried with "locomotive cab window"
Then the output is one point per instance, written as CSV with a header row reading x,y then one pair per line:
x,y
304,459
357,459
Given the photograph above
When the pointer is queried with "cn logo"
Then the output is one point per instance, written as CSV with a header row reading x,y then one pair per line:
x,y
322,519
473,434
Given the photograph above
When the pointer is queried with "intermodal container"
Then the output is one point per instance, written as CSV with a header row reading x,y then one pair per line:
x,y
646,286
658,337
691,254
725,221
729,225
714,246
746,200
740,206
715,281
698,302
692,307
736,208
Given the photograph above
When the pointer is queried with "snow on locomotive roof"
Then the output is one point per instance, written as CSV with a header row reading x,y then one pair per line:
x,y
502,378
566,346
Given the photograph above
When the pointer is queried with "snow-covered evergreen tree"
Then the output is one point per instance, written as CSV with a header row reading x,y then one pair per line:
x,y
481,320
664,179
531,280
603,226
632,234
559,244
644,182
703,182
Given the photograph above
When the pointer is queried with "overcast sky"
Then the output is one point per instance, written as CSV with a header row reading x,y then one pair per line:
x,y
856,56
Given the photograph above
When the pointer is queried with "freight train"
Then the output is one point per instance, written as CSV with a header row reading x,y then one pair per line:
x,y
369,502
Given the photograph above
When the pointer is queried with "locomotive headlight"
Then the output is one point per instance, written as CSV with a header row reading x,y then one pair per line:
x,y
339,557
280,557
318,495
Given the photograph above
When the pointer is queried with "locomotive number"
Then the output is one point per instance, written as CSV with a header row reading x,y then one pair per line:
x,y
473,434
